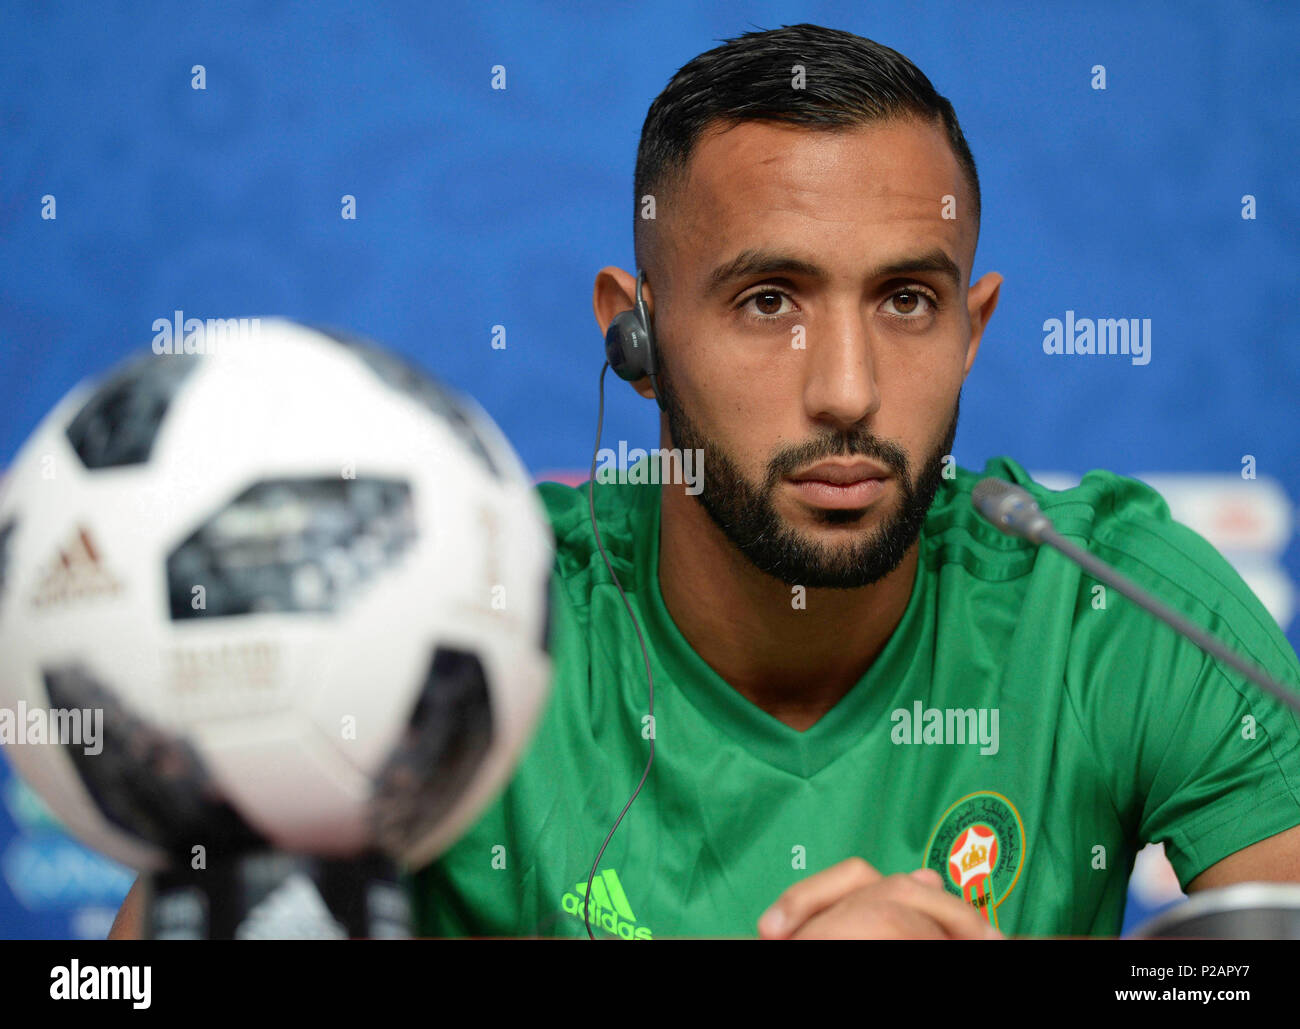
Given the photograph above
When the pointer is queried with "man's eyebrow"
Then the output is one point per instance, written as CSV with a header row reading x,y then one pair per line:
x,y
749,263
935,261
752,263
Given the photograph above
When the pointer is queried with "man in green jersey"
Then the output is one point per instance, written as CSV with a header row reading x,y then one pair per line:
x,y
873,714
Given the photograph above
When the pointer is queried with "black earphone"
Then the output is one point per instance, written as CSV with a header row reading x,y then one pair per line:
x,y
630,343
630,351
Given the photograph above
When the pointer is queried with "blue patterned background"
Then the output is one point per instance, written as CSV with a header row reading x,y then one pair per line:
x,y
478,207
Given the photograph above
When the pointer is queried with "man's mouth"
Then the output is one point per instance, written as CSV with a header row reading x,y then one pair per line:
x,y
840,484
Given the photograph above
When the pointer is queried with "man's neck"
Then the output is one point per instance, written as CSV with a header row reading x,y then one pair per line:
x,y
795,662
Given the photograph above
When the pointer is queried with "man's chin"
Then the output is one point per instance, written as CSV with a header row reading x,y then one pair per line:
x,y
821,567
817,523
838,548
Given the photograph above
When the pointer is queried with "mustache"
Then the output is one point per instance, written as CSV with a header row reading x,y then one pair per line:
x,y
839,444
855,443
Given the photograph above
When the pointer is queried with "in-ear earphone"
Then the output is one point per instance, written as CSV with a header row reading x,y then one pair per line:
x,y
630,343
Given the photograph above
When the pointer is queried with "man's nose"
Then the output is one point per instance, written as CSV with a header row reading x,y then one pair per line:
x,y
840,386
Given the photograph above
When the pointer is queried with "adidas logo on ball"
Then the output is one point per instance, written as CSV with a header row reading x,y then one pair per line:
x,y
75,573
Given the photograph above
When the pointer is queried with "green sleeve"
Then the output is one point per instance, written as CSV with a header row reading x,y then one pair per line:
x,y
1230,778
1199,757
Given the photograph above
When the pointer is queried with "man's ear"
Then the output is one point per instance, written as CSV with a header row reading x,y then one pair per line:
x,y
614,293
981,300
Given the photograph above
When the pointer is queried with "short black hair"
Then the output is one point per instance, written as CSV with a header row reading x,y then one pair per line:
x,y
850,81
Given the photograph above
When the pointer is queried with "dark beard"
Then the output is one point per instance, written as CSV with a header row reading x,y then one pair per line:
x,y
748,518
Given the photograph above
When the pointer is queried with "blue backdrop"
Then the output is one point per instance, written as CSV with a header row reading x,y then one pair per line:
x,y
478,207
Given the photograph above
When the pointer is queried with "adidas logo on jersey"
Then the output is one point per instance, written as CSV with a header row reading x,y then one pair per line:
x,y
75,573
608,907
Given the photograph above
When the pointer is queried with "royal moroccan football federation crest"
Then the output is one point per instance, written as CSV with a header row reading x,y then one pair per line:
x,y
979,848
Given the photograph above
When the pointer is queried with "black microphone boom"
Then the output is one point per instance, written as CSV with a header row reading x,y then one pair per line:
x,y
1015,512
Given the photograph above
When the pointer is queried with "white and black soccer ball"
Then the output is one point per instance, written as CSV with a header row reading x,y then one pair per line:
x,y
306,586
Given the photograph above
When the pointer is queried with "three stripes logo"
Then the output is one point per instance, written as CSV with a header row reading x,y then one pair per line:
x,y
607,908
75,573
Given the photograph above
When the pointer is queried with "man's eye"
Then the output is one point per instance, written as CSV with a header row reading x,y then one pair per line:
x,y
768,303
908,303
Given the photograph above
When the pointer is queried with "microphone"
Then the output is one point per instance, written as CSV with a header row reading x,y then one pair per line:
x,y
1016,513
1011,509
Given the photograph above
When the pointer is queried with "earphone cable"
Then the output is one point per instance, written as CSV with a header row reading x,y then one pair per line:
x,y
645,653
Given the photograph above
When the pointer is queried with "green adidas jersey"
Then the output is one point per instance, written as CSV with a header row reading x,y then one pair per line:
x,y
1024,732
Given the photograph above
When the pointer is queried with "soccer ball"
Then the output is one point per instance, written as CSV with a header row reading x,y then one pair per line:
x,y
280,591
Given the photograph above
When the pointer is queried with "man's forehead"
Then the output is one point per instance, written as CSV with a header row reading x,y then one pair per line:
x,y
884,180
